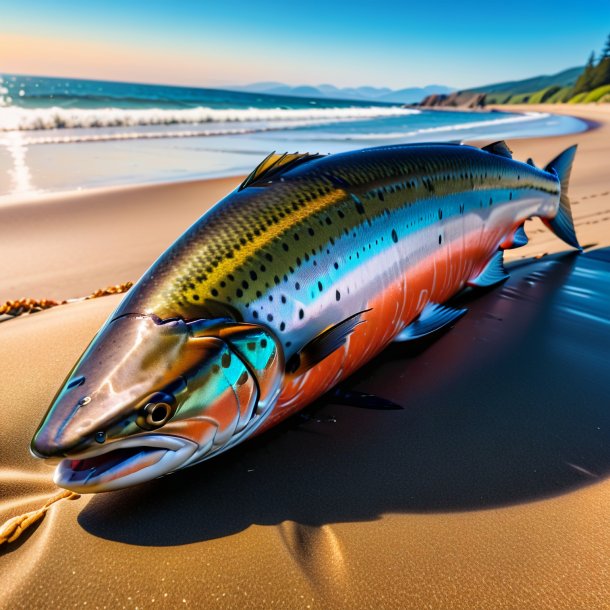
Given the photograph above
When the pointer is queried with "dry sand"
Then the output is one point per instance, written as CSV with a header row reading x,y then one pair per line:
x,y
489,491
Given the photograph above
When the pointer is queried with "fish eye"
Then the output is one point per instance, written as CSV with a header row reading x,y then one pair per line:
x,y
156,411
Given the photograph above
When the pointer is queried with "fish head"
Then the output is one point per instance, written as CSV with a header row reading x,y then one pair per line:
x,y
151,396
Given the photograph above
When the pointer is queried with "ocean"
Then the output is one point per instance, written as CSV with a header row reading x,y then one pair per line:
x,y
59,134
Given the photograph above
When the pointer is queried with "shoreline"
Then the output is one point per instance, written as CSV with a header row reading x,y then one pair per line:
x,y
29,175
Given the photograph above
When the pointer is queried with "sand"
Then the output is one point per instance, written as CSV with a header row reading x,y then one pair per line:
x,y
489,490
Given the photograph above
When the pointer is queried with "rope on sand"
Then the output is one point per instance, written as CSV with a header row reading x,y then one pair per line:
x,y
13,528
15,308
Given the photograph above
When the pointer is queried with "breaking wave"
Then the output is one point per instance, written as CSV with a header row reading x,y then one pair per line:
x,y
14,118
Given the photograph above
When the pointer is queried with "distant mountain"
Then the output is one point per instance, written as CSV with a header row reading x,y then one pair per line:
x,y
566,78
411,95
414,95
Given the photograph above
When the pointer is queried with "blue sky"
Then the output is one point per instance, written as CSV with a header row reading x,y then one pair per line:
x,y
392,43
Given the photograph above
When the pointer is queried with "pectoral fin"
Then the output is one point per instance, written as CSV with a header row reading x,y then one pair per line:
x,y
433,318
323,344
494,272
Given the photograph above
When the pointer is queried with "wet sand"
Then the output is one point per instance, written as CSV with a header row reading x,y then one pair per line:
x,y
489,490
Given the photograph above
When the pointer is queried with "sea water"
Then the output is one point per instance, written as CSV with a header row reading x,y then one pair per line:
x,y
63,134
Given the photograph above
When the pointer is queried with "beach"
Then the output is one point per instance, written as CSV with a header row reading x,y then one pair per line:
x,y
488,490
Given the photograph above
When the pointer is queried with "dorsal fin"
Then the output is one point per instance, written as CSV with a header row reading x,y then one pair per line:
x,y
530,161
274,164
499,148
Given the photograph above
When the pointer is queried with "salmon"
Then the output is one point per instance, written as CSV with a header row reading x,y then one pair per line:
x,y
287,286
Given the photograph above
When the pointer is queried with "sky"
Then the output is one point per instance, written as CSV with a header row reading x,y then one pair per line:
x,y
393,43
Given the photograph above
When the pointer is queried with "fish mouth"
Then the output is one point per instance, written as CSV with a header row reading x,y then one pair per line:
x,y
123,463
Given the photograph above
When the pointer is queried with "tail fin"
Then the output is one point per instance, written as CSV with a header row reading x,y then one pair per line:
x,y
563,224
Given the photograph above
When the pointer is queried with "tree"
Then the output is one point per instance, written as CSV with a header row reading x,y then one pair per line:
x,y
585,80
606,52
601,74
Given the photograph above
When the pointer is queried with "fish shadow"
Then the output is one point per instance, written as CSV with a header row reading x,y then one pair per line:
x,y
508,407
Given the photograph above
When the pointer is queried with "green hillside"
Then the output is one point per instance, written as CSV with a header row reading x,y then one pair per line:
x,y
589,84
566,78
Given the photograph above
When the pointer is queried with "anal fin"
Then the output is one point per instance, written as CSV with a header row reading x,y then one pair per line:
x,y
433,318
494,272
323,344
516,240
520,238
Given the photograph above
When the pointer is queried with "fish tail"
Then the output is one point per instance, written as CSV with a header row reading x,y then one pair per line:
x,y
562,224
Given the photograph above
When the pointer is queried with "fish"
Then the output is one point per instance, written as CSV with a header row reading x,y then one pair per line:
x,y
288,285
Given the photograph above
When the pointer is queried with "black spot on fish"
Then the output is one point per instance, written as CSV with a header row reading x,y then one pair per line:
x,y
253,275
259,294
359,206
276,279
440,239
255,314
270,317
239,292
328,220
195,297
215,368
226,360
251,346
311,231
337,295
394,236
320,287
270,297
268,256
263,268
301,314
263,343
285,247
296,237
223,284
297,286
336,265
440,214
214,292
242,378
245,285
283,326
283,298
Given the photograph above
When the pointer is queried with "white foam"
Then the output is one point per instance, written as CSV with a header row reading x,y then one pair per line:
x,y
14,118
528,116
